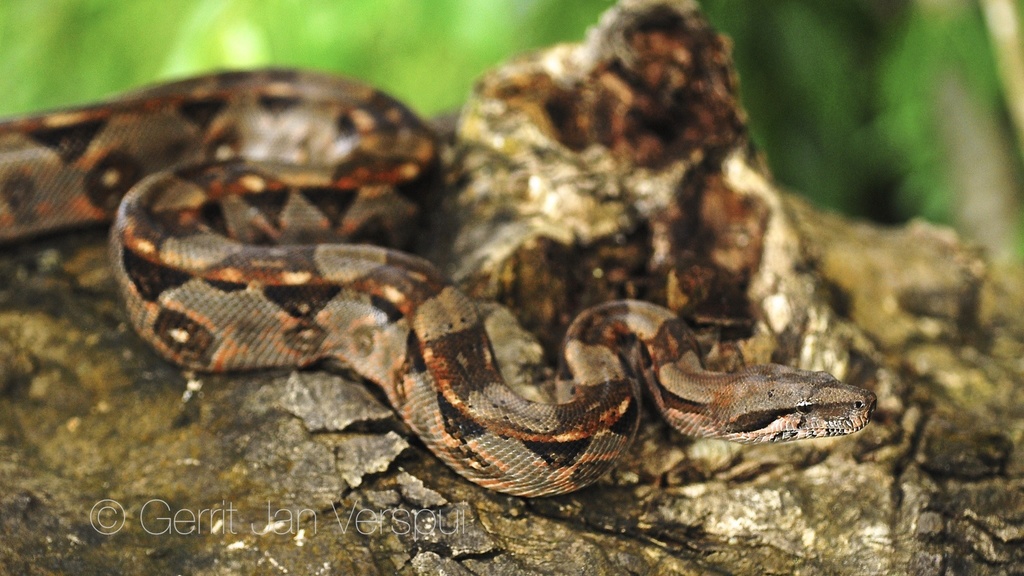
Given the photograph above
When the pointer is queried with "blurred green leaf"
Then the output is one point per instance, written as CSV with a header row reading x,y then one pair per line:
x,y
841,95
57,52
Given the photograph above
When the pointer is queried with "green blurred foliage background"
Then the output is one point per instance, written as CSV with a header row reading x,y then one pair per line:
x,y
885,109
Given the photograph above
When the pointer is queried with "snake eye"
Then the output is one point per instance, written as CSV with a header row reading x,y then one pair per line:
x,y
858,405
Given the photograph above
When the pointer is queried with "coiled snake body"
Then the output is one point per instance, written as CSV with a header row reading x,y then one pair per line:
x,y
227,264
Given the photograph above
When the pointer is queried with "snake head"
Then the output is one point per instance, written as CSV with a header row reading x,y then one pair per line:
x,y
784,403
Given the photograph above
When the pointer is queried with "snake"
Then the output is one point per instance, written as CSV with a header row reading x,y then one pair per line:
x,y
254,215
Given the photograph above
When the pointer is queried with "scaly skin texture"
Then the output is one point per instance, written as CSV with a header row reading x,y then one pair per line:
x,y
248,254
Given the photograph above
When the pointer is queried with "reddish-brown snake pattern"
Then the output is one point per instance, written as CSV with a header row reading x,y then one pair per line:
x,y
241,204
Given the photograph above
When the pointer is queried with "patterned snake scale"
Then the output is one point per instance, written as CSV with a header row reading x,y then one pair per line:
x,y
239,200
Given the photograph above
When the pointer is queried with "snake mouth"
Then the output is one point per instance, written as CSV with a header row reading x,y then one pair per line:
x,y
828,428
836,419
799,426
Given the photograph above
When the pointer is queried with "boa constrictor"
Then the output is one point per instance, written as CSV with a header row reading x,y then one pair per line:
x,y
240,202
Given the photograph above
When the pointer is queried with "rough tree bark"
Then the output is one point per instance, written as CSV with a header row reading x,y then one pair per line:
x,y
618,167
